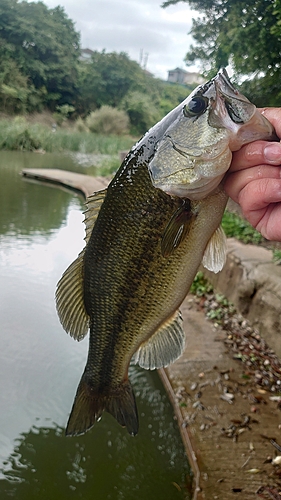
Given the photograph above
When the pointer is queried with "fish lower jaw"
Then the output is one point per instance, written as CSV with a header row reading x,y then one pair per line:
x,y
194,191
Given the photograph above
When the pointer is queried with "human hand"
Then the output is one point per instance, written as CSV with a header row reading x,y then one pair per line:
x,y
254,181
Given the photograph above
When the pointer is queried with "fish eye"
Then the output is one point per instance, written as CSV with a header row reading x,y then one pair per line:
x,y
196,106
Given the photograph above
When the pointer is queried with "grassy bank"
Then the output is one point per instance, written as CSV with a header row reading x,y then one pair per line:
x,y
19,135
237,227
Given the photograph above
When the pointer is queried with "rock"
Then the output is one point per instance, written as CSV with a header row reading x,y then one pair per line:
x,y
252,282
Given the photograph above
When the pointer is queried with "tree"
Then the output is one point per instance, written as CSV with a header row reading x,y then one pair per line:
x,y
106,79
113,79
246,34
13,87
45,47
141,110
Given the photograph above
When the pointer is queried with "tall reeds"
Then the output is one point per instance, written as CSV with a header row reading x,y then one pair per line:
x,y
21,135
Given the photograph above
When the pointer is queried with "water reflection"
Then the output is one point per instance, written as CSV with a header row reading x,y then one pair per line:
x,y
41,232
27,207
107,461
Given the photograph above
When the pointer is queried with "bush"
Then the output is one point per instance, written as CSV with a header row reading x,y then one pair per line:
x,y
20,120
200,285
22,139
43,118
62,113
141,110
108,120
80,125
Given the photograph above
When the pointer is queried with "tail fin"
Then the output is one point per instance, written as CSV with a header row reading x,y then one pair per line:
x,y
89,405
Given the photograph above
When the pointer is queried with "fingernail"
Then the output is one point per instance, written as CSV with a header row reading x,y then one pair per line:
x,y
272,152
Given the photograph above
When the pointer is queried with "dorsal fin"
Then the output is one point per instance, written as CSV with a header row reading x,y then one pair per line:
x,y
70,300
93,202
215,252
70,292
164,347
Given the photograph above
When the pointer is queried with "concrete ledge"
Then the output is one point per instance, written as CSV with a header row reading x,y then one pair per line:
x,y
252,283
86,184
226,465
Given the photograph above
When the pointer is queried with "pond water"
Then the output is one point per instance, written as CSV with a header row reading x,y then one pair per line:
x,y
41,232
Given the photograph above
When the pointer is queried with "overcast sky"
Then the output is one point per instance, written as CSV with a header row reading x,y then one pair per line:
x,y
133,26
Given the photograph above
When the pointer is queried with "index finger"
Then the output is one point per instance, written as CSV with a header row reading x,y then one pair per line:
x,y
274,116
256,153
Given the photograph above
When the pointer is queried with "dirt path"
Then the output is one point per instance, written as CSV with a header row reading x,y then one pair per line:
x,y
230,425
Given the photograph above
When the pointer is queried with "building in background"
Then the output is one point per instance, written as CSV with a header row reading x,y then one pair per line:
x,y
183,77
86,55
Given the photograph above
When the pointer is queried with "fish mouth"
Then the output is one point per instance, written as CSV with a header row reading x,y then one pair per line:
x,y
225,85
227,104
196,148
234,111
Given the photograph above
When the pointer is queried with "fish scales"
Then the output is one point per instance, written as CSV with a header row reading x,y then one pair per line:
x,y
146,236
131,280
119,279
131,289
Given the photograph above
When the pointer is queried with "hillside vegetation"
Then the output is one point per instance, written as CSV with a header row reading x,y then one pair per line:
x,y
41,69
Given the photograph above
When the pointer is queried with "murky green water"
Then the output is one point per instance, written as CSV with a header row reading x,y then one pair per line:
x,y
41,232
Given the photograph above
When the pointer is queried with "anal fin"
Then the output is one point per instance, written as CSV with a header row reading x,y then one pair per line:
x,y
163,347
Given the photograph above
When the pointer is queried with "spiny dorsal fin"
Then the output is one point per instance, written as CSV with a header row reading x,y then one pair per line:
x,y
70,294
164,347
177,229
70,300
93,202
215,253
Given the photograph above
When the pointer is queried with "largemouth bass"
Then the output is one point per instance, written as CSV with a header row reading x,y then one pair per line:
x,y
146,236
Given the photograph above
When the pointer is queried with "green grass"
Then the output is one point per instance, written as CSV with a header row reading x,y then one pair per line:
x,y
236,227
277,256
108,165
200,285
21,136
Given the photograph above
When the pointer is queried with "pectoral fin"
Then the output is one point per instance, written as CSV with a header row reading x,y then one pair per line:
x,y
164,347
215,253
176,229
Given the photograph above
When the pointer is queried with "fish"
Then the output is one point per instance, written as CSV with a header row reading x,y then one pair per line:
x,y
146,236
